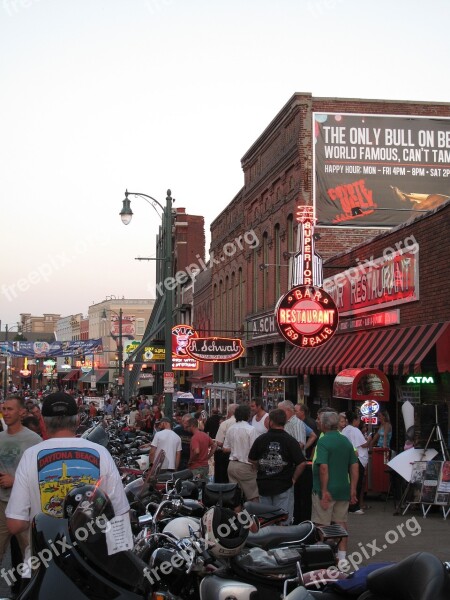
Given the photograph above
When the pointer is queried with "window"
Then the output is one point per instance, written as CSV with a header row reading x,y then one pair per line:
x,y
255,281
290,233
265,270
140,326
276,235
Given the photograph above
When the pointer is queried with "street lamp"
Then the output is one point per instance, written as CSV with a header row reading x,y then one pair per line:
x,y
126,215
119,346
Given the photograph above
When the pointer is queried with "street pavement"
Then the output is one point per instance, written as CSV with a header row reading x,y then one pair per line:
x,y
379,535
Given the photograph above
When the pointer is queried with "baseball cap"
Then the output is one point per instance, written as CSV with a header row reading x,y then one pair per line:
x,y
59,404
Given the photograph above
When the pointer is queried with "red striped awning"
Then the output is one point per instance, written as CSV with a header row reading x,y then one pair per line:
x,y
72,375
396,351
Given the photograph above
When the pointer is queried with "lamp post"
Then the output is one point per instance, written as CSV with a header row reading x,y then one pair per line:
x,y
126,214
119,346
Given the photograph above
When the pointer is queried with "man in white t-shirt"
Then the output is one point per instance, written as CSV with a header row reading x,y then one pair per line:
x,y
238,441
167,440
221,458
50,469
359,442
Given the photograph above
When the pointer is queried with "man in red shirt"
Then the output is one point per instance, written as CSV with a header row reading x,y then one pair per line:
x,y
202,448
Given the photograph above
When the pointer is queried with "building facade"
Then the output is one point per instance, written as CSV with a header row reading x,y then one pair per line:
x,y
256,236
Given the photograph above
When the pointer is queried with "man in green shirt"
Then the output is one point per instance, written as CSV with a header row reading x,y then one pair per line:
x,y
335,459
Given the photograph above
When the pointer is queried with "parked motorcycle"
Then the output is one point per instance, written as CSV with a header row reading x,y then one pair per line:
x,y
216,544
421,576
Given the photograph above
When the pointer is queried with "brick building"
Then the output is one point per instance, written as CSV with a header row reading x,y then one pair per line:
x,y
399,325
255,236
188,242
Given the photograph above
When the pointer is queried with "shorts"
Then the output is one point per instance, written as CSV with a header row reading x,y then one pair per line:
x,y
245,475
336,513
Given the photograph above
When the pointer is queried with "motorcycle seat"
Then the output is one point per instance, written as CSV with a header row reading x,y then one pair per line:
x,y
173,476
258,509
421,576
277,535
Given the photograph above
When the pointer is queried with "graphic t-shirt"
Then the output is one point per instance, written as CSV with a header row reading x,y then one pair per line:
x,y
49,470
277,453
12,446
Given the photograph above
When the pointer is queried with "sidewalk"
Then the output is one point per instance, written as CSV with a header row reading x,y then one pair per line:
x,y
380,536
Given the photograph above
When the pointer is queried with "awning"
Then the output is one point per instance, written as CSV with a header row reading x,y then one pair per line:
x,y
396,351
361,385
72,375
101,375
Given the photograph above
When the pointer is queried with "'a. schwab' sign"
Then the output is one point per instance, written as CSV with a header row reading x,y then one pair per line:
x,y
306,316
215,349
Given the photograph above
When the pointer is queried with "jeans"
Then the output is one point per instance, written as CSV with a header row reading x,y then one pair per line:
x,y
284,501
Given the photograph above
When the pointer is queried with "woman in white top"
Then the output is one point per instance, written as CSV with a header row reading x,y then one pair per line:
x,y
359,442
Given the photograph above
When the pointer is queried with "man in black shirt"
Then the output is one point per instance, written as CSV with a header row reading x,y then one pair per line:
x,y
212,423
280,463
185,436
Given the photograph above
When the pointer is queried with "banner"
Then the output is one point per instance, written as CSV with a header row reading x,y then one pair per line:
x,y
42,349
367,162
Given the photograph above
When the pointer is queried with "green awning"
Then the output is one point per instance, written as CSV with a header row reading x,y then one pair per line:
x,y
102,376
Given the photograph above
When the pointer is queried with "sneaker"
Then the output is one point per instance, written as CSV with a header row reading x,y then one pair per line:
x,y
358,512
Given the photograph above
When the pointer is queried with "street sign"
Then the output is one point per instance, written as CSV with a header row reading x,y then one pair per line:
x,y
93,382
120,380
169,382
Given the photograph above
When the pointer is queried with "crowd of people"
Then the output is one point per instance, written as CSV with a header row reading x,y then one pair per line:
x,y
310,468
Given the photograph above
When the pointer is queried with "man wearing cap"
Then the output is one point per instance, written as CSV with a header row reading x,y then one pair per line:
x,y
50,469
167,440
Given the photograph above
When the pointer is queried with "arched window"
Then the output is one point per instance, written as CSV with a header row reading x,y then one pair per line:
x,y
277,260
265,273
290,234
256,272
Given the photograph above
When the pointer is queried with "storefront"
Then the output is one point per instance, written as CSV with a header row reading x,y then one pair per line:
x,y
393,316
220,396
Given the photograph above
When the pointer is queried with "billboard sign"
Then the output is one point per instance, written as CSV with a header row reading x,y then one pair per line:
x,y
367,167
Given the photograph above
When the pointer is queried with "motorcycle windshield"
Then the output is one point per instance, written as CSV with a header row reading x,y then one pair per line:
x,y
135,487
97,435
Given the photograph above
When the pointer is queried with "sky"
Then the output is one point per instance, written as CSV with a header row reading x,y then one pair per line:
x,y
102,95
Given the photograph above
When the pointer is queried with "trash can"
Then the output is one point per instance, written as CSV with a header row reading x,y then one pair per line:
x,y
380,470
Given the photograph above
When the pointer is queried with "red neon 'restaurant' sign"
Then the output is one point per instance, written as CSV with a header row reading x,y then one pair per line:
x,y
306,316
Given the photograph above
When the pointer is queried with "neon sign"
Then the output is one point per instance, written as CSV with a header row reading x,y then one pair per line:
x,y
370,408
420,379
306,316
215,349
181,361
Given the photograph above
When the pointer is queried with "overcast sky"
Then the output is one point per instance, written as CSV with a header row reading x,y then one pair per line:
x,y
102,95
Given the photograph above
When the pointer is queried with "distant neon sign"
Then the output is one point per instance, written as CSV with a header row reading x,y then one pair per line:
x,y
370,408
215,349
